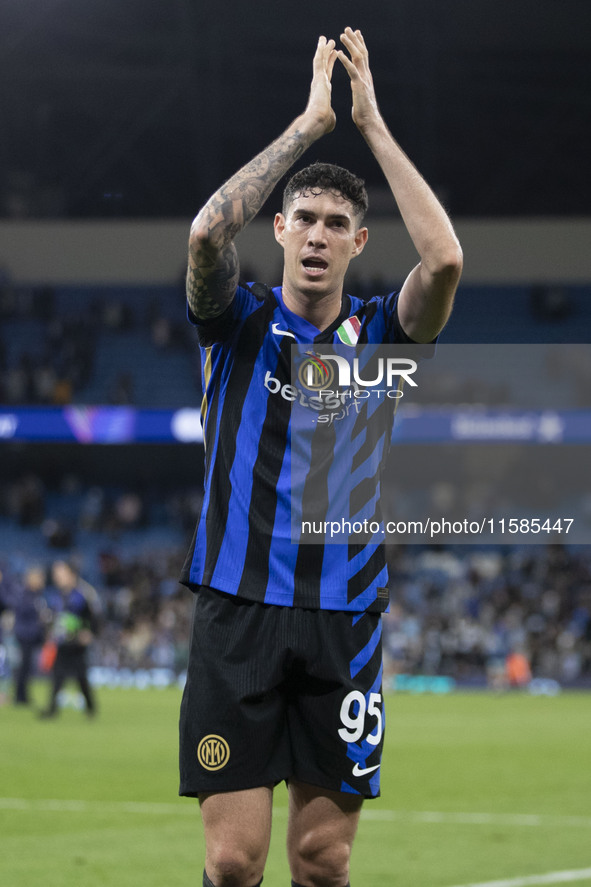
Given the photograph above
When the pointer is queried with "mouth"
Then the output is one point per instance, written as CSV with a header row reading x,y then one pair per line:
x,y
314,266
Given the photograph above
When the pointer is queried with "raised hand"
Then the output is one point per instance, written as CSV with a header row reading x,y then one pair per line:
x,y
365,109
319,110
213,271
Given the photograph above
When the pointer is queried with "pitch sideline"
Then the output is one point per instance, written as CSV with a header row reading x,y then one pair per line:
x,y
528,820
532,880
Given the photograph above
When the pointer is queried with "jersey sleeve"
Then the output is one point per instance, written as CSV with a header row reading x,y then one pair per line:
x,y
220,329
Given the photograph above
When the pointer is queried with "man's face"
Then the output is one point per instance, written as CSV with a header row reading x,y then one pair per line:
x,y
319,235
62,576
35,579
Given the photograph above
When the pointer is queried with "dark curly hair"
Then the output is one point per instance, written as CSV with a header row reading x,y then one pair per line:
x,y
327,177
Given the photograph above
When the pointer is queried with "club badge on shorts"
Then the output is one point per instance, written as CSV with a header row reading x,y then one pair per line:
x,y
213,752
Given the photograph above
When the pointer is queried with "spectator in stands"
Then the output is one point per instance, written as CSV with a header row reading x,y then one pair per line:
x,y
26,500
121,391
5,604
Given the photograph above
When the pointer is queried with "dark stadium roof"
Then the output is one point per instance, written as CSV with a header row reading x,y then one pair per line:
x,y
142,107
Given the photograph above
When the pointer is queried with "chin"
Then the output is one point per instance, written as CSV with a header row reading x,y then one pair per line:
x,y
316,287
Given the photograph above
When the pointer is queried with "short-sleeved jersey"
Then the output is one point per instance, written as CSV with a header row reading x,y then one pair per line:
x,y
244,542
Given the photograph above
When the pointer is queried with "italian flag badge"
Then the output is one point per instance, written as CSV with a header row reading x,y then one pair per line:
x,y
348,332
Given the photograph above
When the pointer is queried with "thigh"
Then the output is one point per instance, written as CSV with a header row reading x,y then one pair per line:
x,y
241,818
237,830
27,653
62,667
80,666
321,830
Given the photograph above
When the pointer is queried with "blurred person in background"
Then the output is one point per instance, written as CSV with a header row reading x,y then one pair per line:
x,y
5,605
74,627
29,629
517,669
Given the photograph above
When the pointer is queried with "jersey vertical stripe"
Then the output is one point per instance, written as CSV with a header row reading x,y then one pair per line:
x,y
228,510
206,379
267,466
255,472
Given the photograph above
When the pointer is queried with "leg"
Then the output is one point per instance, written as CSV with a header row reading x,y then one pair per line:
x,y
60,673
237,827
84,684
322,826
23,674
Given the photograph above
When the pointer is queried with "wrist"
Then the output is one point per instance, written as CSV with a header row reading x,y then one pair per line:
x,y
373,127
311,127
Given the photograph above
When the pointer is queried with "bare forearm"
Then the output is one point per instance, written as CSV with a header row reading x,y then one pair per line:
x,y
424,217
239,199
213,263
213,272
427,295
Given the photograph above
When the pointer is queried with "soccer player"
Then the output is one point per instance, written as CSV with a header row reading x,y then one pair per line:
x,y
284,677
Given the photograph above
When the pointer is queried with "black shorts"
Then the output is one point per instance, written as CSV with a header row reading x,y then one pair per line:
x,y
277,693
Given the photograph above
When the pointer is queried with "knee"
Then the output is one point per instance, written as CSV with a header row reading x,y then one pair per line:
x,y
322,860
229,866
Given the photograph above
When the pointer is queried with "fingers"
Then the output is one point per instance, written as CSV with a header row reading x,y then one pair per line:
x,y
324,48
357,59
330,64
355,44
325,56
326,53
319,101
354,41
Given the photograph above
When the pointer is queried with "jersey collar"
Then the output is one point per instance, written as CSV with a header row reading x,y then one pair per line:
x,y
305,330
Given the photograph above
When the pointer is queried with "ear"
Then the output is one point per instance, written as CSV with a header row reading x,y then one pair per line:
x,y
361,236
279,227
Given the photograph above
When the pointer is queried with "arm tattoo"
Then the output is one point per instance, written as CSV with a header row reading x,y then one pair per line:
x,y
213,271
211,287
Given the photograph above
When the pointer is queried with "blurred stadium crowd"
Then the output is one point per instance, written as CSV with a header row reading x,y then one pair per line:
x,y
57,348
465,612
456,611
459,612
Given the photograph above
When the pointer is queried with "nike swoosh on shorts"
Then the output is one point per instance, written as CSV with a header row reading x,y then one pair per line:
x,y
363,771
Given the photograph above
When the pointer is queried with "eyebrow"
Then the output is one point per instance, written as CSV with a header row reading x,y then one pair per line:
x,y
338,217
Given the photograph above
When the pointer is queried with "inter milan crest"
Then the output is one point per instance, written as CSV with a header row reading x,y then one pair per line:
x,y
213,752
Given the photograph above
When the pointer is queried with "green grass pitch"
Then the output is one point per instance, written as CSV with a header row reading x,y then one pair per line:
x,y
476,788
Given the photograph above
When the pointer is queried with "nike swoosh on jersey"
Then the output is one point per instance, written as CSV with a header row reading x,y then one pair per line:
x,y
279,332
363,771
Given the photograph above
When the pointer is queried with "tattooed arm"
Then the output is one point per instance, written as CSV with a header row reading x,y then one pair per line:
x,y
212,276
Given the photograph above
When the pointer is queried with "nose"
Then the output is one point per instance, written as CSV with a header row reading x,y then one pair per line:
x,y
317,234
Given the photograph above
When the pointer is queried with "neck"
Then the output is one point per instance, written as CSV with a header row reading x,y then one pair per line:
x,y
321,312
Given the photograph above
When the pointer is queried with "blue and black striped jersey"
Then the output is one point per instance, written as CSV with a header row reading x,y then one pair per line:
x,y
267,468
